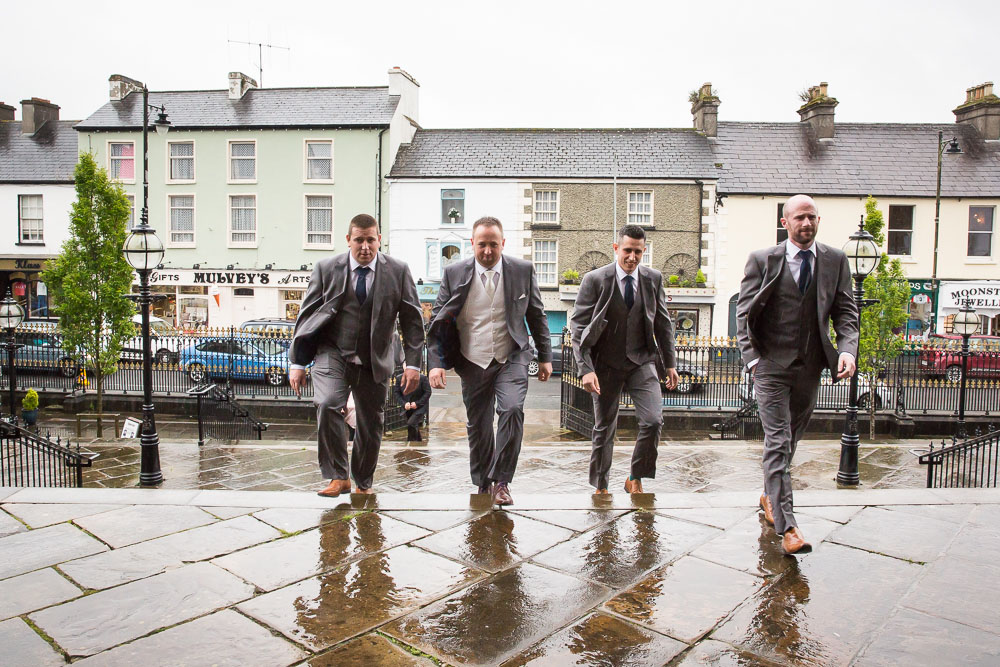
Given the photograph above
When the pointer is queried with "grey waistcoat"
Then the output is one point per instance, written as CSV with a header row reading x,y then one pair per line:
x,y
624,337
352,325
789,329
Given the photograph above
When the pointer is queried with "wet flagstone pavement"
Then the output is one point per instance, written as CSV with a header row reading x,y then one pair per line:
x,y
221,577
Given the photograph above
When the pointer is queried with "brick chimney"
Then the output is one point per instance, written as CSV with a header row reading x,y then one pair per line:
x,y
7,111
818,111
705,110
239,84
981,110
35,113
121,86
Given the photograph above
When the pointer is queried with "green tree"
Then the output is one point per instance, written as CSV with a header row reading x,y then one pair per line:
x,y
90,279
881,323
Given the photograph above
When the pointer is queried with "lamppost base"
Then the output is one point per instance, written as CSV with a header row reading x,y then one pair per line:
x,y
150,479
847,474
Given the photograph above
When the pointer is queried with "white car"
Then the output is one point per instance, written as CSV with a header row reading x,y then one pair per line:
x,y
165,341
834,396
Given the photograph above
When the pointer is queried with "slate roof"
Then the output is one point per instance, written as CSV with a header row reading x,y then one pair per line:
x,y
556,153
258,108
48,156
898,159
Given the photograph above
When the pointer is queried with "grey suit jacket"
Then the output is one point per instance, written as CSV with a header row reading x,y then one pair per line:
x,y
588,321
834,300
394,296
523,302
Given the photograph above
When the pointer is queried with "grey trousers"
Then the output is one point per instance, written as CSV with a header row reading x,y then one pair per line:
x,y
786,398
644,388
333,380
499,387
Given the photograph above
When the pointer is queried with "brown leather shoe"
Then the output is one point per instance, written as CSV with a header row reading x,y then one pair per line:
x,y
793,543
336,487
365,492
601,492
501,494
633,485
765,504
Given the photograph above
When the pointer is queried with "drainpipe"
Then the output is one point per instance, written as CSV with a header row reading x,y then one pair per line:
x,y
378,181
701,198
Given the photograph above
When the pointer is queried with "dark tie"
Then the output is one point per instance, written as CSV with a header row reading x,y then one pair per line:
x,y
362,288
629,292
805,271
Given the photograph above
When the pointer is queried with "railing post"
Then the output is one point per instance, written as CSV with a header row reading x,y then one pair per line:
x,y
201,422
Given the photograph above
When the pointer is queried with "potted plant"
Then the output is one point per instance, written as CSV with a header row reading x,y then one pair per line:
x,y
700,280
674,281
29,407
571,277
454,215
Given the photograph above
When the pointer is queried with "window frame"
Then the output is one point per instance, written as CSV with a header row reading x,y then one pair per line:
x,y
131,212
306,158
229,221
444,214
992,234
535,211
20,220
781,234
554,262
170,162
169,242
889,231
112,159
652,206
229,160
647,255
306,245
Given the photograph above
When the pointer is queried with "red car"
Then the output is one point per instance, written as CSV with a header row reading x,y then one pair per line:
x,y
984,362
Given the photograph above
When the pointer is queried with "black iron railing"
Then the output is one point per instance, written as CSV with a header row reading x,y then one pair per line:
x,y
970,463
221,416
30,459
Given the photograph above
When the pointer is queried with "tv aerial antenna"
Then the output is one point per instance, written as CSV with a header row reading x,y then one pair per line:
x,y
260,56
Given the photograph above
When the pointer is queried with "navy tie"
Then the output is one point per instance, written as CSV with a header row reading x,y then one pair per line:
x,y
362,289
805,271
629,292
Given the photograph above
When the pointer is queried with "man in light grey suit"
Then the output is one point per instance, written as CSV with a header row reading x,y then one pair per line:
x,y
622,338
788,297
347,326
478,328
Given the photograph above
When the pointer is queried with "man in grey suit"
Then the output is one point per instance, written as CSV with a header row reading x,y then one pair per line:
x,y
622,338
788,297
347,326
478,328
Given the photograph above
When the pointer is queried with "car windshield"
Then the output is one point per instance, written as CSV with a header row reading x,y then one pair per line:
x,y
270,347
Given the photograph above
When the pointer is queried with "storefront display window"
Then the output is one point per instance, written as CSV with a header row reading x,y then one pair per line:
x,y
685,322
291,302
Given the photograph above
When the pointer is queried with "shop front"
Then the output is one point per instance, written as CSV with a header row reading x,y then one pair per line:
x,y
21,275
982,295
920,307
210,298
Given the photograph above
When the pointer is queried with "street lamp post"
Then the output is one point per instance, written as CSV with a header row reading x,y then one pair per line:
x,y
966,323
143,250
11,316
953,149
863,257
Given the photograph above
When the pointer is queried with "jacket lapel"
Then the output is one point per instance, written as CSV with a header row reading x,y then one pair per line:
x,y
380,287
508,289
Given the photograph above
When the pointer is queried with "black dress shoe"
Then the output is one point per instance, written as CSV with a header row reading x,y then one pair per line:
x,y
486,489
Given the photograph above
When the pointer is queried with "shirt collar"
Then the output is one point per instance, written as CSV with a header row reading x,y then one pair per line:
x,y
792,250
355,263
621,273
480,269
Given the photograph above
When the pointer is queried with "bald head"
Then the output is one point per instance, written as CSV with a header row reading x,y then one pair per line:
x,y
800,217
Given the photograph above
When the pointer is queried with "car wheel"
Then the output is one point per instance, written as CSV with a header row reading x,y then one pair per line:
x,y
532,368
863,402
275,376
953,373
164,356
68,368
685,384
197,373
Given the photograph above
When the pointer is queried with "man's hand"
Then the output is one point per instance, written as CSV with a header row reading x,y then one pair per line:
x,y
437,378
410,406
544,370
297,378
672,378
590,383
845,366
411,380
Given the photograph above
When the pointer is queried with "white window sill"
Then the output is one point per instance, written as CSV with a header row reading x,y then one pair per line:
x,y
980,260
242,245
181,245
316,182
251,182
319,247
171,182
904,259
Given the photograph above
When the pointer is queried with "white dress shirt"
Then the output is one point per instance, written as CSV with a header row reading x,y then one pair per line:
x,y
622,273
481,271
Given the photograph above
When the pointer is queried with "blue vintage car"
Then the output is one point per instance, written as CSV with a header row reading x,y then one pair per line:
x,y
245,356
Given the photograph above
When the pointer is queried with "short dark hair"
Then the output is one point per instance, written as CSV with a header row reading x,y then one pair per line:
x,y
633,232
487,221
363,221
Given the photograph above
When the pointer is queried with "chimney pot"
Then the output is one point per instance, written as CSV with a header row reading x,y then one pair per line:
x,y
818,111
239,84
705,111
35,113
981,110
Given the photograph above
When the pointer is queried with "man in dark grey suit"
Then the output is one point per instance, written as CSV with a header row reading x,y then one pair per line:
x,y
788,297
347,326
622,337
478,328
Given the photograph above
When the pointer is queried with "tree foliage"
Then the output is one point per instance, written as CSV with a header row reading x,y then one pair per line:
x,y
90,279
882,323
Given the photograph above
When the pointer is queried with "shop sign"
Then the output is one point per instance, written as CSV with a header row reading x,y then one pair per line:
x,y
248,278
428,291
22,264
983,295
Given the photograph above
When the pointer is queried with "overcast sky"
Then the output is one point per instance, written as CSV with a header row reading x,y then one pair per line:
x,y
523,64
